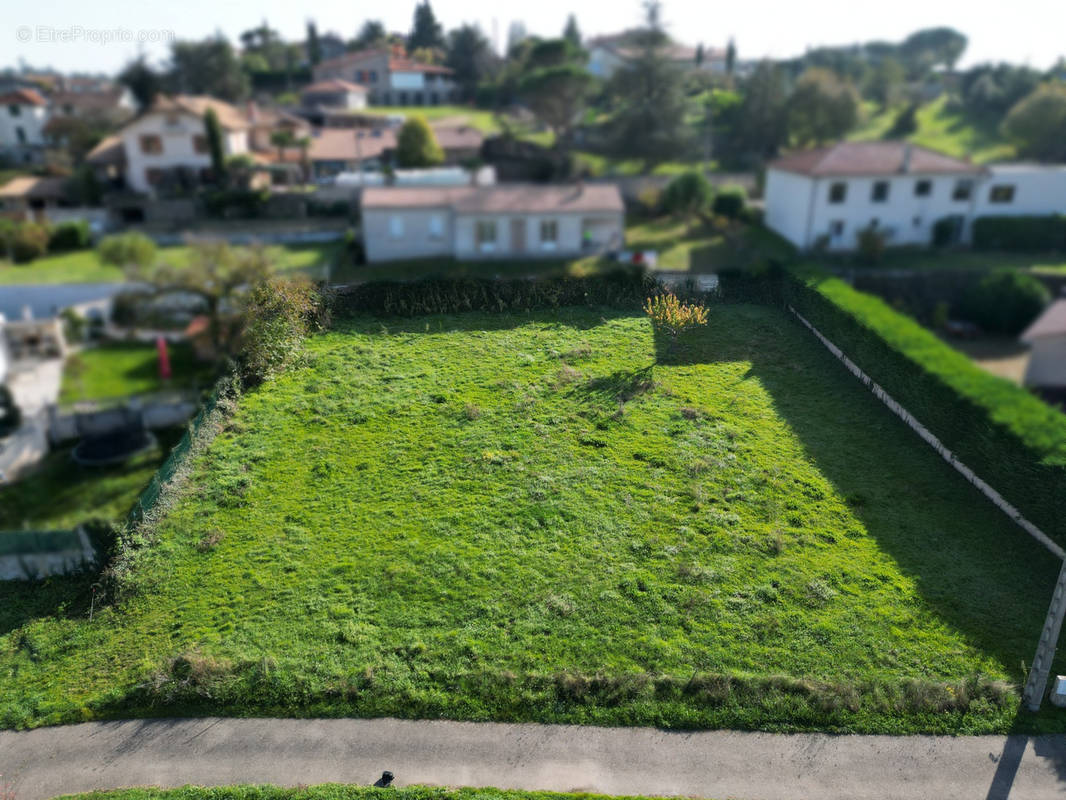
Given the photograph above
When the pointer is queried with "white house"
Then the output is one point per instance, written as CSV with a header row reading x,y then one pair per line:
x,y
608,53
169,140
333,95
23,115
826,196
391,77
1046,338
508,221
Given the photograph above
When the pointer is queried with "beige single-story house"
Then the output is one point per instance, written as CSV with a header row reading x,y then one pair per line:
x,y
1046,338
486,222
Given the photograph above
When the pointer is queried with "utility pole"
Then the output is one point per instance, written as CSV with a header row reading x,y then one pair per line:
x,y
1045,650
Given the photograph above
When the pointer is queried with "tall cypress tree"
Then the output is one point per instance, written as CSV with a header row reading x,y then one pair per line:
x,y
571,32
314,49
213,130
426,31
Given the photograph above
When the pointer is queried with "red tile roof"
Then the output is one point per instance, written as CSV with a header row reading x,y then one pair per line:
x,y
512,198
22,97
872,158
335,85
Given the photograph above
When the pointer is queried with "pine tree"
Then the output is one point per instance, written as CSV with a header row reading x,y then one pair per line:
x,y
314,49
571,32
426,31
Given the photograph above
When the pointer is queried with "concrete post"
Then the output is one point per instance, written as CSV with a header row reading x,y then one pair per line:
x,y
1045,650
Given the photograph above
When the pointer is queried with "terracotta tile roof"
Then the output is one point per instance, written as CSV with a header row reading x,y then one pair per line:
x,y
88,100
35,187
354,57
108,150
407,65
340,144
397,62
513,198
22,97
872,158
229,117
335,85
1051,323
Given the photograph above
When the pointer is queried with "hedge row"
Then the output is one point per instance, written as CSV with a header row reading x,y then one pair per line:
x,y
1007,436
1020,233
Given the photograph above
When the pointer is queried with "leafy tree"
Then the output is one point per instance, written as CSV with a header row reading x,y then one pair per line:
x,y
222,276
699,54
1037,124
281,312
991,90
905,123
648,90
213,132
207,67
756,128
416,146
372,34
932,47
885,81
143,82
314,47
426,31
822,107
470,55
571,32
1005,301
687,195
557,95
282,138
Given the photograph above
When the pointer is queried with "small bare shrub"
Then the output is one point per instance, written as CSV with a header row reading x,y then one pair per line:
x,y
210,541
471,412
673,317
565,375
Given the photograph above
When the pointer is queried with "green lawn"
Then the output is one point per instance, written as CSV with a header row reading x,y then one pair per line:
x,y
60,494
556,517
479,118
941,128
85,267
122,369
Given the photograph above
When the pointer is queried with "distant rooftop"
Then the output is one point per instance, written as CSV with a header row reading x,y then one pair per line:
x,y
512,198
873,158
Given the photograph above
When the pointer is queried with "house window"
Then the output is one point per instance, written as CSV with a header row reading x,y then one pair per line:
x,y
963,189
373,76
836,228
838,192
485,234
923,188
151,145
1003,193
199,144
20,135
396,227
153,176
14,111
879,193
549,234
916,222
874,222
436,227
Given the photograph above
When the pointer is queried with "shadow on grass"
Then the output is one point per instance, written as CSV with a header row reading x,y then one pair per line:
x,y
975,569
64,597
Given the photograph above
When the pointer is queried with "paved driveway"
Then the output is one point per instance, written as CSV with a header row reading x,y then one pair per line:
x,y
724,764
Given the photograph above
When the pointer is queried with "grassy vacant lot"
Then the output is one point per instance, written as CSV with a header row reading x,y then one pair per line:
x,y
942,128
122,369
331,792
85,267
556,517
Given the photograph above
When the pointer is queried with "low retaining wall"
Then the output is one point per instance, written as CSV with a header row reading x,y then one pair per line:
x,y
64,425
30,555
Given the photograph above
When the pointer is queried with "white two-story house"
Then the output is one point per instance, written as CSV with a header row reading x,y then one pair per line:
x,y
23,115
823,198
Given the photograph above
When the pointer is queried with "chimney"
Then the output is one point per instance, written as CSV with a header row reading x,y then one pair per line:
x,y
907,157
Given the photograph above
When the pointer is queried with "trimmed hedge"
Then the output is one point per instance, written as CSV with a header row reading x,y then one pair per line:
x,y
1007,436
1020,233
74,235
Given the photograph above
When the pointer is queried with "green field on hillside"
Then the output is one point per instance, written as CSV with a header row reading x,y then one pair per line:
x,y
557,517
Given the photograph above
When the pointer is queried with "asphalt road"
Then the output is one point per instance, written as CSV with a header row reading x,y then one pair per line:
x,y
721,764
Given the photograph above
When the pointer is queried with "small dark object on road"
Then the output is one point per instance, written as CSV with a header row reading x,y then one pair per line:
x,y
385,780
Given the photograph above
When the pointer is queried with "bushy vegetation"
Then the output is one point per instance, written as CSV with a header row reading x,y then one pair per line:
x,y
23,242
281,313
542,516
1025,233
127,251
1005,301
417,146
69,236
1006,435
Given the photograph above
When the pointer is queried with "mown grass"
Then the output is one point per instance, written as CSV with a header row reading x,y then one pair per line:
x,y
942,127
557,517
84,266
334,792
122,369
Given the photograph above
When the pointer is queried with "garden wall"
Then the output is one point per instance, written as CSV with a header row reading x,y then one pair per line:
x,y
1005,435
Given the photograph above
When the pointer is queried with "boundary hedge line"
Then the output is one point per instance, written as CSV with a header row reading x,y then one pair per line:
x,y
1028,233
1010,438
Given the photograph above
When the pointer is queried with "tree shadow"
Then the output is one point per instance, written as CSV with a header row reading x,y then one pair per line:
x,y
617,388
974,568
